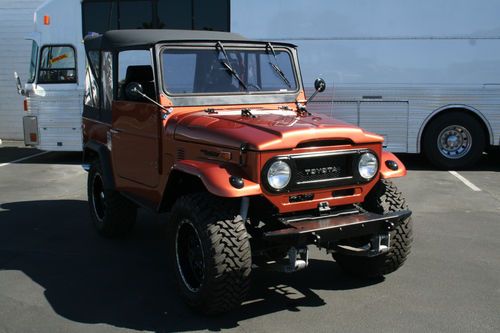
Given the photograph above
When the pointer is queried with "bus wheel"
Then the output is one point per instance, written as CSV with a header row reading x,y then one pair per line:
x,y
454,141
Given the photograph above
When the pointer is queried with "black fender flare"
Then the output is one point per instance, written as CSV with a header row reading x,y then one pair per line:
x,y
104,156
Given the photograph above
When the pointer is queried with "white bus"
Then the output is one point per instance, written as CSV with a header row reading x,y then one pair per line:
x,y
425,75
54,91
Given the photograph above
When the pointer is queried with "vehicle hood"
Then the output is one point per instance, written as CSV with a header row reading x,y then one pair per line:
x,y
266,129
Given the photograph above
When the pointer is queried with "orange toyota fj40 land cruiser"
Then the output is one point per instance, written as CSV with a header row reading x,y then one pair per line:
x,y
214,128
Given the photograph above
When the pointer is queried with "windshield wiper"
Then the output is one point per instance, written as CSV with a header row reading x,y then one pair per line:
x,y
225,62
275,66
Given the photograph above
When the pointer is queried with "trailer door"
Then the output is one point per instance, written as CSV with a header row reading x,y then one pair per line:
x,y
386,118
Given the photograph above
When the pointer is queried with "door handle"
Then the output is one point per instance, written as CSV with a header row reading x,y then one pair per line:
x,y
115,131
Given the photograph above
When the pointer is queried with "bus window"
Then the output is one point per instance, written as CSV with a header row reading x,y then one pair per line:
x,y
174,14
100,16
34,57
211,15
57,65
136,14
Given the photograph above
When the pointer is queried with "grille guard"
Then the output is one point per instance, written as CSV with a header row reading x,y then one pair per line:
x,y
331,229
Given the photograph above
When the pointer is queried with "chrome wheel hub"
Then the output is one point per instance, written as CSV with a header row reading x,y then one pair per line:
x,y
454,142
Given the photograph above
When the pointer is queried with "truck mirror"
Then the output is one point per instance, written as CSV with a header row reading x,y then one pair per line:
x,y
19,85
134,91
319,85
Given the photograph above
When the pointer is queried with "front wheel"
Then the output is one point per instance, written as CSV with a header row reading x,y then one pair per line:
x,y
383,198
210,253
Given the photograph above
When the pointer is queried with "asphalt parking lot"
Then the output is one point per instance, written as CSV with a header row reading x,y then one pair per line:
x,y
58,275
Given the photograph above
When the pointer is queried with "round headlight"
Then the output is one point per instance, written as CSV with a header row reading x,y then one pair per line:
x,y
368,166
279,175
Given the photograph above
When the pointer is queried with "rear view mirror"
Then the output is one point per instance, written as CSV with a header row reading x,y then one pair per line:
x,y
319,86
19,85
134,91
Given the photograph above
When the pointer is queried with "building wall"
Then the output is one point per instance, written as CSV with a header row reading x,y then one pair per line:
x,y
16,21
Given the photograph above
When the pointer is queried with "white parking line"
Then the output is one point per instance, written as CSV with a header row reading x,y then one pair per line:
x,y
24,158
465,181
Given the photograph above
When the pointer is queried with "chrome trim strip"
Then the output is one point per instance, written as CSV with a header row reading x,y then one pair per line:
x,y
324,180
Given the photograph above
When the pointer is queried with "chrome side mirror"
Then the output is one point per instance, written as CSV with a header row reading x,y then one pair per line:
x,y
19,85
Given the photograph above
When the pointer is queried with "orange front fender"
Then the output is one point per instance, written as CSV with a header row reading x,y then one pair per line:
x,y
215,177
387,173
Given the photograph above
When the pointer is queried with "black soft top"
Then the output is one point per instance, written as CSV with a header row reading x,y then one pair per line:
x,y
123,39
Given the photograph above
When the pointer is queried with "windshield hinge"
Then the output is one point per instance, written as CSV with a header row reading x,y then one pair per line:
x,y
247,113
211,111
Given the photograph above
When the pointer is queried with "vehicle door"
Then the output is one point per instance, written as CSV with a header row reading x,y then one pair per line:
x,y
135,121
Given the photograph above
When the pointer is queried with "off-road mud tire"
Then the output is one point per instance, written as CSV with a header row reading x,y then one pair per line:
x,y
382,199
113,215
226,252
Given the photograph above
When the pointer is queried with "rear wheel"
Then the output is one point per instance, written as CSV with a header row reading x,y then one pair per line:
x,y
210,253
112,214
383,198
454,141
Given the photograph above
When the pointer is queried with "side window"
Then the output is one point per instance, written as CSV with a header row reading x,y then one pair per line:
x,y
57,65
107,81
136,66
33,61
91,87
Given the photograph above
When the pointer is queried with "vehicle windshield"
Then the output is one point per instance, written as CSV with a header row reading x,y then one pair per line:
x,y
189,70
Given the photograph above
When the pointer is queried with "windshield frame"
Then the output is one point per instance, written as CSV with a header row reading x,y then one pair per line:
x,y
229,46
33,66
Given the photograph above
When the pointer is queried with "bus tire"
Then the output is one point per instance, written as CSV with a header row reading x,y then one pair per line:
x,y
454,141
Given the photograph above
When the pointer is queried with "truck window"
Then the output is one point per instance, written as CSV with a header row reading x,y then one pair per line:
x,y
195,71
34,57
57,65
135,66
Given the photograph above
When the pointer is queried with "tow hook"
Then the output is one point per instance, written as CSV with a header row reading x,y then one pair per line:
x,y
378,245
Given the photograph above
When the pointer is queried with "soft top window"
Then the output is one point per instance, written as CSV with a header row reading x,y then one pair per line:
x,y
188,70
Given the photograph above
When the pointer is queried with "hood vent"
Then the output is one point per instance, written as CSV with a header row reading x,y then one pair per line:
x,y
324,143
181,154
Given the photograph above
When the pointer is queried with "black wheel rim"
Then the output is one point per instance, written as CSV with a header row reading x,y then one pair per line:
x,y
189,256
98,199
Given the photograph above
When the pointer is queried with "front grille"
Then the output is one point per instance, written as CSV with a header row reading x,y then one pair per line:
x,y
318,169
